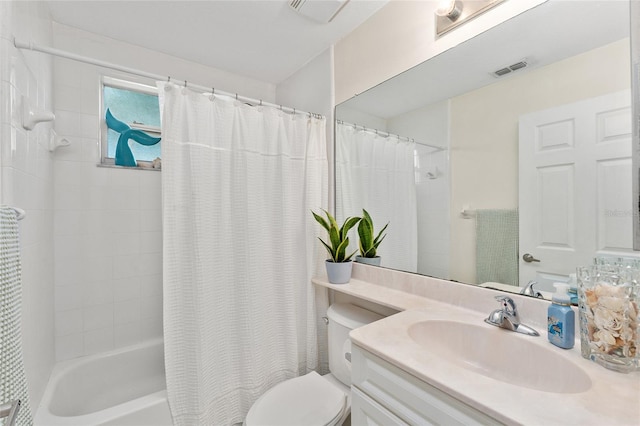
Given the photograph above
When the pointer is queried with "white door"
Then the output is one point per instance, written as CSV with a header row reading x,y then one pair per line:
x,y
574,187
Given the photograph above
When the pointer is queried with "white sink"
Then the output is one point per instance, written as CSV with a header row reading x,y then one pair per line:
x,y
501,355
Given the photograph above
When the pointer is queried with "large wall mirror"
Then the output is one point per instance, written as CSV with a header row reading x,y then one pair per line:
x,y
505,159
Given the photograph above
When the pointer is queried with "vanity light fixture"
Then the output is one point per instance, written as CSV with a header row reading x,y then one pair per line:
x,y
453,13
449,9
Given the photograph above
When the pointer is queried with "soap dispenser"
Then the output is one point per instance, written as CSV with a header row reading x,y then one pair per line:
x,y
561,318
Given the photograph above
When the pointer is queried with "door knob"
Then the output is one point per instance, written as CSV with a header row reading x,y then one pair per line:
x,y
528,258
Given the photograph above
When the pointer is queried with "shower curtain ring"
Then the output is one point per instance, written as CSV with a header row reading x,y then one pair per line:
x,y
236,96
185,83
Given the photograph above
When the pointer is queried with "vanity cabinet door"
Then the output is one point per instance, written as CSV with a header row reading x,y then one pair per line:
x,y
413,401
365,411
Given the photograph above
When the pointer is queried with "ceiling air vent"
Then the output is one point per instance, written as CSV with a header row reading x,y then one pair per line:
x,y
321,11
502,72
517,66
506,70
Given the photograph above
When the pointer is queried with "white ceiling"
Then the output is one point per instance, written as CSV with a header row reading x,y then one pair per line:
x,y
265,40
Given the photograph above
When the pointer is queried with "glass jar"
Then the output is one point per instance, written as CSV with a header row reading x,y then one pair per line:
x,y
608,295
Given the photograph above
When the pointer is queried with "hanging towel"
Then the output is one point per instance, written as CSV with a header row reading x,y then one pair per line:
x,y
13,383
497,246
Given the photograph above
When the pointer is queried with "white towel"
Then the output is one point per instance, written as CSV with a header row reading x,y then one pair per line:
x,y
13,383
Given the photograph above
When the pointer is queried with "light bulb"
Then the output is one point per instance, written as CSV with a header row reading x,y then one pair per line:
x,y
449,8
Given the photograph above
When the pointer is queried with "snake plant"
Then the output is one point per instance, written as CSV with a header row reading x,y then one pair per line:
x,y
338,238
368,244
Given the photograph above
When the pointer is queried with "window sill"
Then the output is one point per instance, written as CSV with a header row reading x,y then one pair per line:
x,y
113,166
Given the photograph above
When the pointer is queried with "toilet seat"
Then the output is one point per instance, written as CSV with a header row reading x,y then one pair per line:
x,y
307,400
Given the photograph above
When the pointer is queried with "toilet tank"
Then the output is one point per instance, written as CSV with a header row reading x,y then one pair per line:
x,y
344,317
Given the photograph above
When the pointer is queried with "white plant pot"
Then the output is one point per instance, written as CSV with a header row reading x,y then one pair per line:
x,y
339,273
375,261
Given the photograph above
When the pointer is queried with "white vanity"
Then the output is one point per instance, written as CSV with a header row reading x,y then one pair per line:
x,y
387,395
438,362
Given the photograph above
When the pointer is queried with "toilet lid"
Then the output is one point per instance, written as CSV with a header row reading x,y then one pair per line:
x,y
304,401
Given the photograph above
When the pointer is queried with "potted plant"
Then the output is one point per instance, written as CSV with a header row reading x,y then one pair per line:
x,y
340,264
368,244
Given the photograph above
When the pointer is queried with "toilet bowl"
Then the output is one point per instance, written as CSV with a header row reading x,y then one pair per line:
x,y
313,399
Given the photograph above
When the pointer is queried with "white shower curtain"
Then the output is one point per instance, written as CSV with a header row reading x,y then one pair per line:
x,y
240,249
377,173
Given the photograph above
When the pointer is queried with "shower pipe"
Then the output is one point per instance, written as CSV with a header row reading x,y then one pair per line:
x,y
92,61
386,134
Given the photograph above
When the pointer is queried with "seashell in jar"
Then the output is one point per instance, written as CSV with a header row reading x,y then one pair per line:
x,y
605,289
612,303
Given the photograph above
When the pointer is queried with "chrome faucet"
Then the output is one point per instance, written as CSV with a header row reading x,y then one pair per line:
x,y
530,291
507,317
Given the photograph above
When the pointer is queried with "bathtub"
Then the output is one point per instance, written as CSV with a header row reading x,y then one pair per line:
x,y
122,387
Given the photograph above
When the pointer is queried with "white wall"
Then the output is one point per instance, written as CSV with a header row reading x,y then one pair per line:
x,y
484,134
108,225
360,118
311,89
400,36
430,125
26,180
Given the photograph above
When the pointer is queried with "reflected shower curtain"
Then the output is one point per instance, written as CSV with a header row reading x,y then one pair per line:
x,y
240,249
377,173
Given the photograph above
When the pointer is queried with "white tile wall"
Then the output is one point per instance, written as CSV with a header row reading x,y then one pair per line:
x,y
103,253
26,179
108,224
108,231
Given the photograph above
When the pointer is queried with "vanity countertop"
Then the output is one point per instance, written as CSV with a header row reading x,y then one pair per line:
x,y
612,399
385,296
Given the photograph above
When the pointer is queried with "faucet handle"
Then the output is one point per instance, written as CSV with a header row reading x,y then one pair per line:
x,y
508,305
530,291
508,318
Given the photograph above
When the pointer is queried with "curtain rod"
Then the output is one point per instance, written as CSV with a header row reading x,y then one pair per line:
x,y
92,61
380,132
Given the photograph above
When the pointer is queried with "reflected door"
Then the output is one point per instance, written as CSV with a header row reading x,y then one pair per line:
x,y
574,187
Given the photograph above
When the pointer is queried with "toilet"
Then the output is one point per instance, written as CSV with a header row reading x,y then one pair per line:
x,y
313,399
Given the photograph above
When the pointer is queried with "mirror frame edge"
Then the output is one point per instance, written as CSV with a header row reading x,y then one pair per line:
x,y
634,9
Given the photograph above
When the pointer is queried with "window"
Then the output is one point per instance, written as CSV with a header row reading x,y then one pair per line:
x,y
136,105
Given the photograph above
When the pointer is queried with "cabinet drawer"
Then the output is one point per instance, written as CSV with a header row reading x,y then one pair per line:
x,y
412,400
365,411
